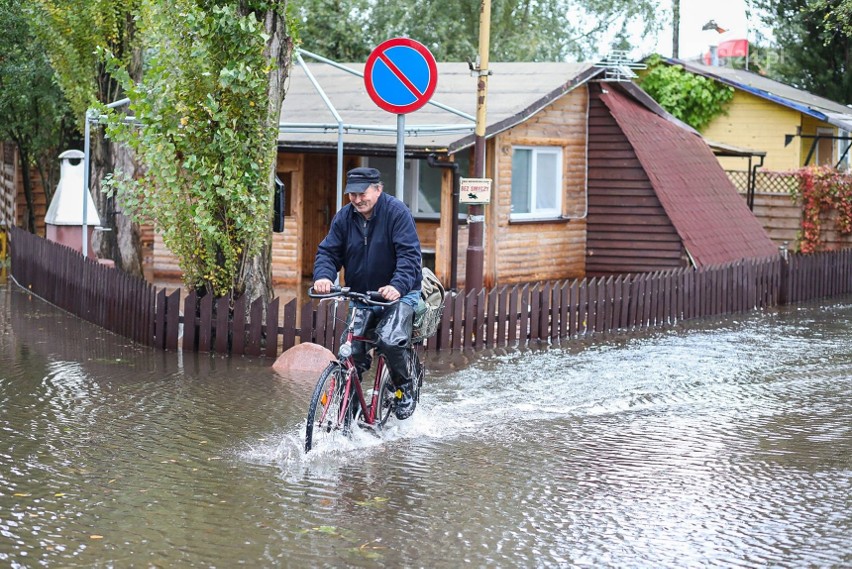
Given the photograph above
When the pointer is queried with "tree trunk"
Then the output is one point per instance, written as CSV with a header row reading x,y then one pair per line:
x,y
48,171
122,239
24,158
128,235
101,160
257,271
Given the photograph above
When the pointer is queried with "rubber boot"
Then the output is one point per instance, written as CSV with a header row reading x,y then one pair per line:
x,y
393,339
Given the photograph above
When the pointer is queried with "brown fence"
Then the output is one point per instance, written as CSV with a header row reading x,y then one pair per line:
x,y
504,316
818,275
111,299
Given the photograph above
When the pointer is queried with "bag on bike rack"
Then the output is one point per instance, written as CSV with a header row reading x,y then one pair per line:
x,y
428,313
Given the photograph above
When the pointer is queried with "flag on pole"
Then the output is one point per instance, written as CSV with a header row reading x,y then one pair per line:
x,y
733,48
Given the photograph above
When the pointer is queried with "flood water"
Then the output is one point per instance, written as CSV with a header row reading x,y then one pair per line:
x,y
724,443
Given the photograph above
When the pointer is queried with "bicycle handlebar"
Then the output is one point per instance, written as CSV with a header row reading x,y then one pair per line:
x,y
370,297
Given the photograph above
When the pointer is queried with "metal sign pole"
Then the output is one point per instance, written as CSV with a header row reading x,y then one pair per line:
x,y
400,76
400,156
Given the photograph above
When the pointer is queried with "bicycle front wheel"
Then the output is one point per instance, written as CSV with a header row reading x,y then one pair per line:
x,y
387,398
330,411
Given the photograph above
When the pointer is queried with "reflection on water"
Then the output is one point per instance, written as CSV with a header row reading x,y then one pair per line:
x,y
721,444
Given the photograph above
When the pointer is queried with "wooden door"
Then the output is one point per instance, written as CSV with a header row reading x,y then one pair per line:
x,y
320,179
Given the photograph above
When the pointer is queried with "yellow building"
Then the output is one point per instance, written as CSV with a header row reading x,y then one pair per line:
x,y
769,131
795,128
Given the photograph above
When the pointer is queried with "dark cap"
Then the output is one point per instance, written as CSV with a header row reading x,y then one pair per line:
x,y
359,179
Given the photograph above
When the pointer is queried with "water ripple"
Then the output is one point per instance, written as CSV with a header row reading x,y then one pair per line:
x,y
718,444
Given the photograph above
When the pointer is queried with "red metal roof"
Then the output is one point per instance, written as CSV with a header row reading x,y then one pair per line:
x,y
708,213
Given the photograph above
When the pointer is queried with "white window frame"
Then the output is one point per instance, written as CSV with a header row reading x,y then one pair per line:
x,y
548,213
410,197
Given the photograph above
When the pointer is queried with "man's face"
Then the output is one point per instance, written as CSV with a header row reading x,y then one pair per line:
x,y
366,201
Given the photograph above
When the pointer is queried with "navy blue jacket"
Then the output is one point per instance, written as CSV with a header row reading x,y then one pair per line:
x,y
383,250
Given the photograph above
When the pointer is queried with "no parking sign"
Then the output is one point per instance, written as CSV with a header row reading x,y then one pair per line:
x,y
401,75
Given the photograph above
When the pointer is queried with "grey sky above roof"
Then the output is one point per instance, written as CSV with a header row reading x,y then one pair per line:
x,y
837,113
515,90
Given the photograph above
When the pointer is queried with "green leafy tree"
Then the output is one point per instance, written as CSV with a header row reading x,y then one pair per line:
x,y
206,113
814,47
837,15
335,28
33,111
694,99
71,32
521,30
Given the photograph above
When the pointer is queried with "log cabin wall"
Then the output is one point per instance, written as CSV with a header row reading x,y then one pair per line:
x,y
14,202
525,251
8,185
628,230
427,232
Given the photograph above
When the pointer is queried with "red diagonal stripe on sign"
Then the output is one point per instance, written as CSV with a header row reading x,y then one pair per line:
x,y
400,75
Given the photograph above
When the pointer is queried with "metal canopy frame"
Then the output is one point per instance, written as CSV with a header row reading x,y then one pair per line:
x,y
342,127
788,138
339,125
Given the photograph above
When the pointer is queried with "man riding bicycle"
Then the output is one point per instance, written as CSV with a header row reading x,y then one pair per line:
x,y
374,240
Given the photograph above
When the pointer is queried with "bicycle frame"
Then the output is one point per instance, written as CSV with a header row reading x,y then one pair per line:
x,y
369,412
333,403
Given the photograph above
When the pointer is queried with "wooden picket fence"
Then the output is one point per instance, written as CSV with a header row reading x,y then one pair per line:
x,y
513,315
817,275
114,300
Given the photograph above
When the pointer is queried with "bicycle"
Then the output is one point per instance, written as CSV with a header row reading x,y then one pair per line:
x,y
339,399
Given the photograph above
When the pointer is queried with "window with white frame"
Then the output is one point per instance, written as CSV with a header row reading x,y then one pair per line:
x,y
421,184
536,182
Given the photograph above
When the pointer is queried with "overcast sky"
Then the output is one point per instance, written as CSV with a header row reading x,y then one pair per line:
x,y
728,14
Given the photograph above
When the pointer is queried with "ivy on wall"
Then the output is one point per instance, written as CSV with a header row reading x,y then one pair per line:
x,y
822,191
692,98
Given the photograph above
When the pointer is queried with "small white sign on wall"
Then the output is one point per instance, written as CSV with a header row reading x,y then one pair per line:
x,y
475,191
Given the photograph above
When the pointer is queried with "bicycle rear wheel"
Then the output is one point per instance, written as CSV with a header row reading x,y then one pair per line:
x,y
419,374
329,413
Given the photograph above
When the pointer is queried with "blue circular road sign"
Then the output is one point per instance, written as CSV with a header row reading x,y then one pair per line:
x,y
401,75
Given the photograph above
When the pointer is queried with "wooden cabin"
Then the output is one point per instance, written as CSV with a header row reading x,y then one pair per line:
x,y
579,186
658,198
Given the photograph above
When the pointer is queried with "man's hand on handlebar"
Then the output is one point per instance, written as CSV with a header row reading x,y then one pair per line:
x,y
388,292
323,286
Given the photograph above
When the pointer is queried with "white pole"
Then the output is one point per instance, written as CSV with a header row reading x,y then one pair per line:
x,y
86,167
339,193
400,155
